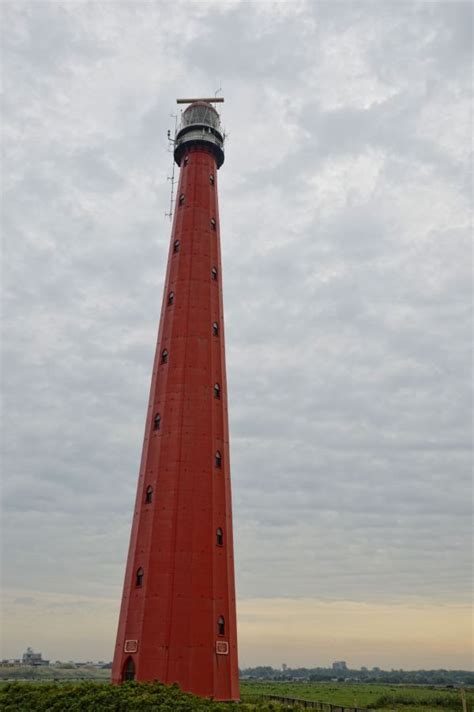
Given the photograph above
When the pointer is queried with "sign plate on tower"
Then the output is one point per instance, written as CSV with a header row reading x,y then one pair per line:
x,y
131,646
222,647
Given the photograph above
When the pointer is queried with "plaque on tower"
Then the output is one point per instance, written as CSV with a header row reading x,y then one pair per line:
x,y
131,646
222,647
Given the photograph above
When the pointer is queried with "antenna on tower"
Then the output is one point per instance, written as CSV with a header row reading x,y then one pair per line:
x,y
171,178
224,134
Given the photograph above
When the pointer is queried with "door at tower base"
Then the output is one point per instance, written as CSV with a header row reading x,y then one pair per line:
x,y
177,620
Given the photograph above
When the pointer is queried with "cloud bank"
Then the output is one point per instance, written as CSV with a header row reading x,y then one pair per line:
x,y
346,254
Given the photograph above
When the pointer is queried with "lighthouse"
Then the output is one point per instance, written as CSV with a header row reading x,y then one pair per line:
x,y
178,619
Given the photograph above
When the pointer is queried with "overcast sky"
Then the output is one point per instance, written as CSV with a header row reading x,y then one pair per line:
x,y
347,285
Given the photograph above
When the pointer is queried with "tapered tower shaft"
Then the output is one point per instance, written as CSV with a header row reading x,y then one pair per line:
x,y
178,620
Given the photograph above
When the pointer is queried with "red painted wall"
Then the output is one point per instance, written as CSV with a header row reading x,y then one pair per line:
x,y
188,578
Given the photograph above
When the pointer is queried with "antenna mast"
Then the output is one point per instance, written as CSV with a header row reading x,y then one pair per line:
x,y
171,178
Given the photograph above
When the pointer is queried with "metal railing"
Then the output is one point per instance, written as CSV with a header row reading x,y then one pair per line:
x,y
313,704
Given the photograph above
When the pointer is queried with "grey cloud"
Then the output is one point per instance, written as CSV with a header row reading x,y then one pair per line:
x,y
346,282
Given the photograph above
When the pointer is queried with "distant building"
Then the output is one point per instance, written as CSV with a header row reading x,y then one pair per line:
x,y
339,665
284,666
32,658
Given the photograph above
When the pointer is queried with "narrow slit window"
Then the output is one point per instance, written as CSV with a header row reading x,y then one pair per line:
x,y
149,495
221,625
182,198
157,422
164,356
213,223
170,298
218,459
217,390
186,160
219,537
139,577
211,179
214,273
176,246
215,329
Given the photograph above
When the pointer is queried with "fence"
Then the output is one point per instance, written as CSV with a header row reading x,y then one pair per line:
x,y
312,704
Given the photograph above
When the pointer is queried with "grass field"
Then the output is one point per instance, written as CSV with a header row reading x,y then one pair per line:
x,y
99,696
380,697
51,674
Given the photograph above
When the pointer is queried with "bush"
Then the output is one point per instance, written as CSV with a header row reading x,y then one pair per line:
x,y
93,697
443,701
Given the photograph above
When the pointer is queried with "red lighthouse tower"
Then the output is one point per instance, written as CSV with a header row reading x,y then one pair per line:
x,y
177,619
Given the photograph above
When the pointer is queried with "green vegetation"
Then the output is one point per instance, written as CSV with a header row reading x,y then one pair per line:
x,y
377,697
53,673
131,697
96,697
459,678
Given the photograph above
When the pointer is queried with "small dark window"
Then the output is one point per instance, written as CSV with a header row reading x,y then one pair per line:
x,y
181,198
211,179
214,273
186,159
149,495
217,390
170,298
164,356
220,626
157,422
213,223
176,246
215,329
218,459
219,537
139,577
129,670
